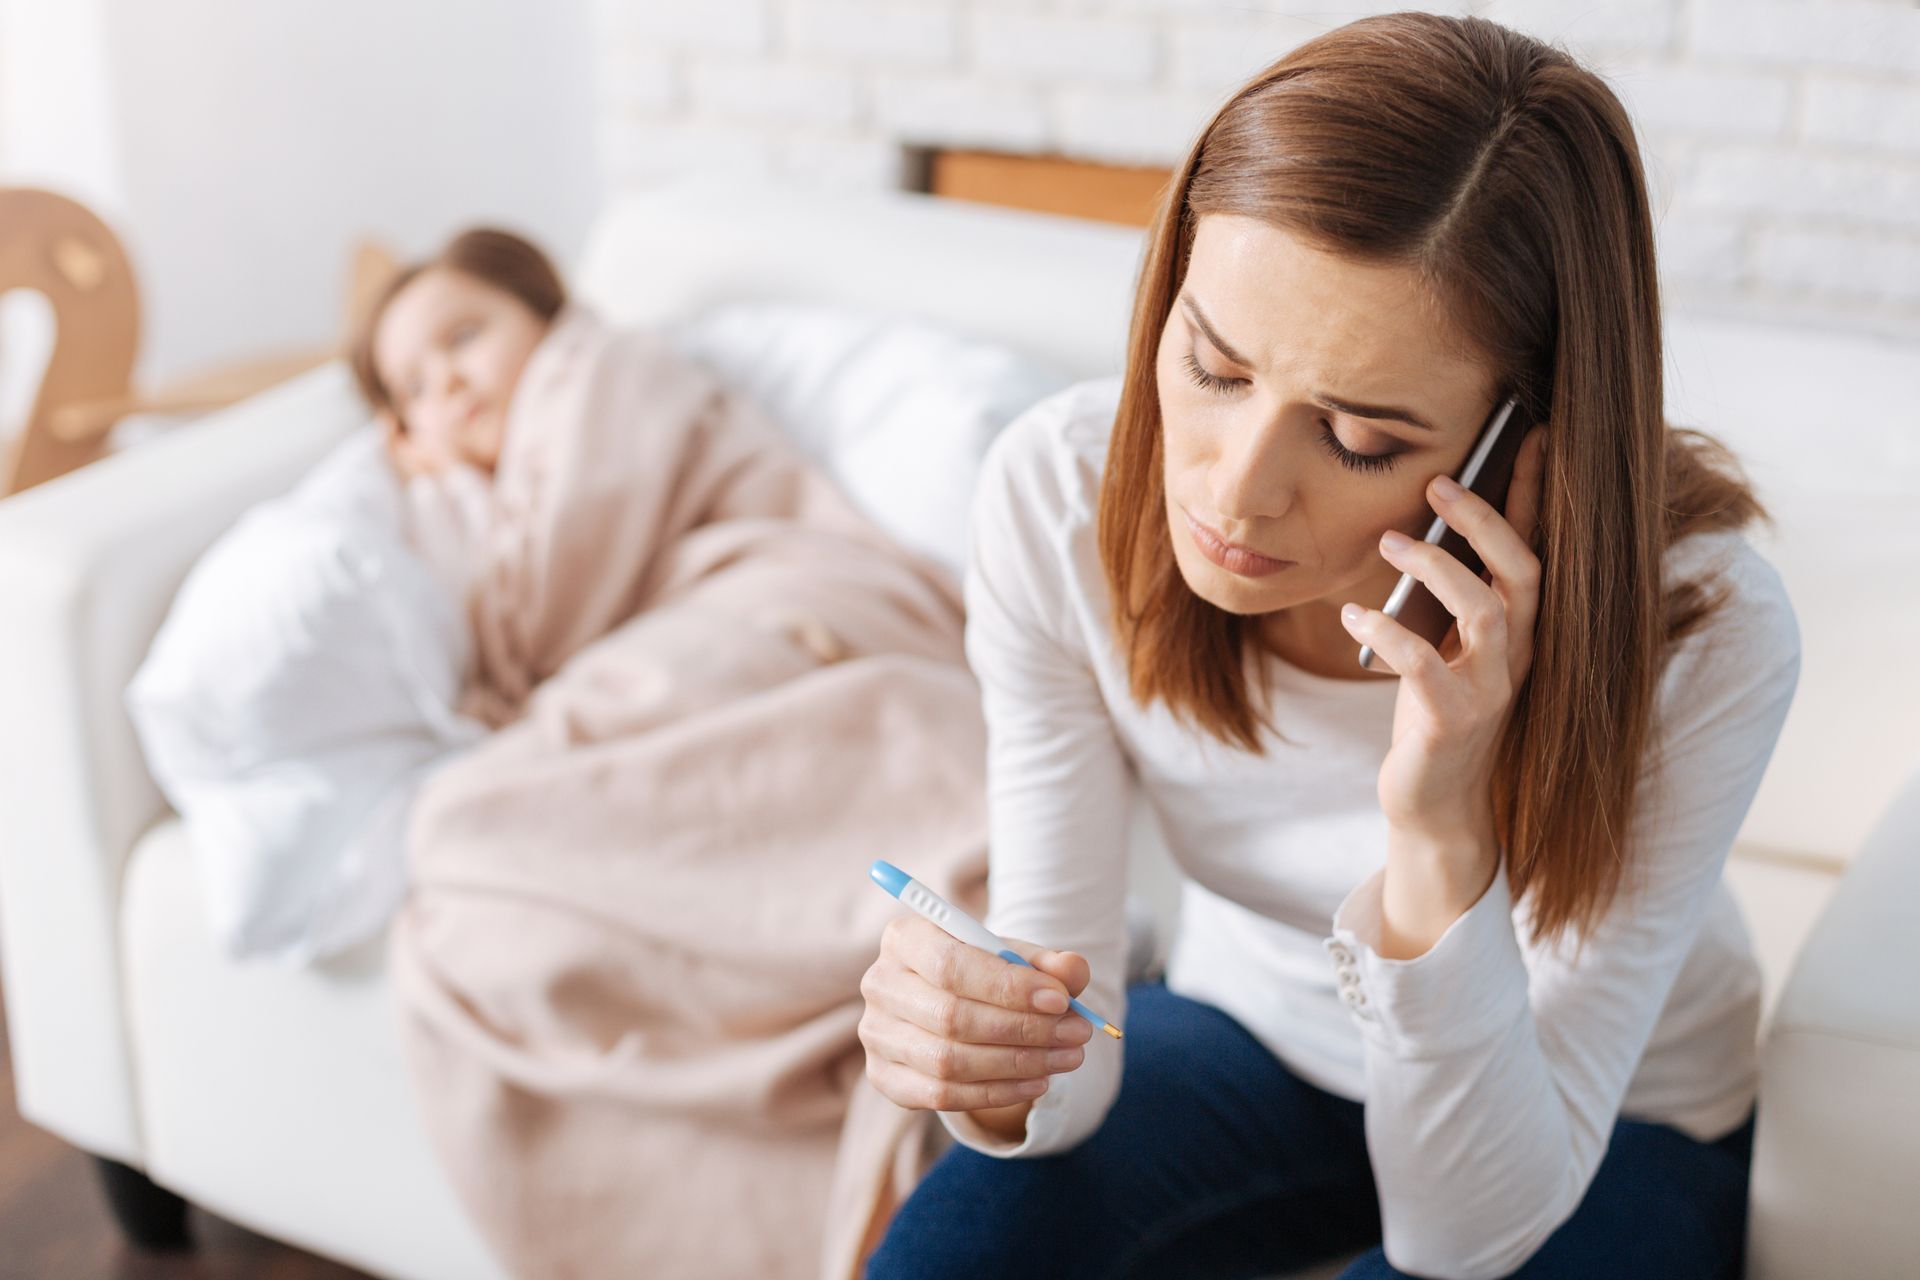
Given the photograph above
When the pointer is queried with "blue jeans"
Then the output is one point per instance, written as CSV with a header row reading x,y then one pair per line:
x,y
1217,1161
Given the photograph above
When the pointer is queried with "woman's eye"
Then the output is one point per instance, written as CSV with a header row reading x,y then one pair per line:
x,y
1348,458
465,331
1208,381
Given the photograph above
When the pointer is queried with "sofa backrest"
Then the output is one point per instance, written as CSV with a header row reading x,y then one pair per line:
x,y
1057,289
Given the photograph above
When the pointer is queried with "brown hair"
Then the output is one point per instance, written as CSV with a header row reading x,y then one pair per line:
x,y
1507,177
492,256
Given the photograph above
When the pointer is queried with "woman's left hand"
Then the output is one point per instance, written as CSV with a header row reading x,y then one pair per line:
x,y
1436,782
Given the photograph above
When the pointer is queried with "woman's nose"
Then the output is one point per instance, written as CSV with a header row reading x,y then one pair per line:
x,y
1253,476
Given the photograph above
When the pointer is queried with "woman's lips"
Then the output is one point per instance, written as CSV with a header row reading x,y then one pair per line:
x,y
1248,564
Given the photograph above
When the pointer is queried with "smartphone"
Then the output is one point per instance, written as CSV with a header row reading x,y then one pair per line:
x,y
1487,471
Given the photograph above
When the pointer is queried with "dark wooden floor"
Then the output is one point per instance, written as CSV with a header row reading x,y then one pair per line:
x,y
54,1222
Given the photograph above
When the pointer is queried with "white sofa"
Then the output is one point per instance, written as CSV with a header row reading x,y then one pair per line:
x,y
277,1098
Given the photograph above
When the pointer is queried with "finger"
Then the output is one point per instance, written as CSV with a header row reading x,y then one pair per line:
x,y
1523,492
964,970
1530,478
906,994
399,447
1512,565
1474,605
1410,656
1505,553
910,1088
945,1058
1070,967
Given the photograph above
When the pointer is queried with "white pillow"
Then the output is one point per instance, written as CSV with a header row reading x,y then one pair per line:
x,y
898,410
300,688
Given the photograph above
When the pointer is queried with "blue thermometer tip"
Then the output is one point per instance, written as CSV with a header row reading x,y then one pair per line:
x,y
888,876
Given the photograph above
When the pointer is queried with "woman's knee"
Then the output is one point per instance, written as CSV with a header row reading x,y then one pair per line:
x,y
976,1215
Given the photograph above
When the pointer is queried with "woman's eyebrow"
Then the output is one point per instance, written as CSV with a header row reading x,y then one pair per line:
x,y
1376,411
1213,335
1382,411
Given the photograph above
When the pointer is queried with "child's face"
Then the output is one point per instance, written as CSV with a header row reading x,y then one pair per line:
x,y
449,349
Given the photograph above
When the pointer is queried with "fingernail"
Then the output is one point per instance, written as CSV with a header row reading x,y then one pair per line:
x,y
1447,487
1031,1088
1396,540
1068,1032
1047,1000
1351,613
1060,1059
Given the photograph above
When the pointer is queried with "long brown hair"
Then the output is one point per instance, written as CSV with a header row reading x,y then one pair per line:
x,y
488,254
1507,177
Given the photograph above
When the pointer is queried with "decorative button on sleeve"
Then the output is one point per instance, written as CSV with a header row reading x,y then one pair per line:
x,y
1470,984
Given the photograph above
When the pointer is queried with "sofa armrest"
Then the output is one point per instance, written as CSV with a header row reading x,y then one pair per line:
x,y
1837,1136
88,566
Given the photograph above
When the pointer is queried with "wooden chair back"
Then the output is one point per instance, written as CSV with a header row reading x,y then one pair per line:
x,y
60,249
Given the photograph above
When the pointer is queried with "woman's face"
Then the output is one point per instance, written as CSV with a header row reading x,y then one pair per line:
x,y
1276,361
449,349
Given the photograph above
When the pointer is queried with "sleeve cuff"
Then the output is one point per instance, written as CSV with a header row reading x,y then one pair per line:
x,y
1046,1122
1462,990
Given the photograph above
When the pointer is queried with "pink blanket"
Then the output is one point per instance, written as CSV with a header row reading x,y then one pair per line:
x,y
628,971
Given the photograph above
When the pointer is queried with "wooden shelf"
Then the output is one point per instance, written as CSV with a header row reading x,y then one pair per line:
x,y
1049,184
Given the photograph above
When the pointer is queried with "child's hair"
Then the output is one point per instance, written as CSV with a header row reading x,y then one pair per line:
x,y
499,258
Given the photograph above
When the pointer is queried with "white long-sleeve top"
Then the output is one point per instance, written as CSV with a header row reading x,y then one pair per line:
x,y
1491,1070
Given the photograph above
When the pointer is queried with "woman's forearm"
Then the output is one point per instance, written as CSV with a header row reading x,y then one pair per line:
x,y
1430,883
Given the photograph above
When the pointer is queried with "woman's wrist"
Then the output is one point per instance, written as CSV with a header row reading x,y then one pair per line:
x,y
1430,882
1004,1122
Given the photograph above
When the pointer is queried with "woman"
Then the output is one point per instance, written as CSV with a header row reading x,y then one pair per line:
x,y
1449,977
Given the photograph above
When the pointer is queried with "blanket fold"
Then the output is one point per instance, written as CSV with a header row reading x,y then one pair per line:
x,y
627,971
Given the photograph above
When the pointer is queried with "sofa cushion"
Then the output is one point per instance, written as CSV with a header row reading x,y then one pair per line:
x,y
279,1097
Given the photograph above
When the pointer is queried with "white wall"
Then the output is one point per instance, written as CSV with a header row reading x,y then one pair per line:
x,y
1782,139
240,149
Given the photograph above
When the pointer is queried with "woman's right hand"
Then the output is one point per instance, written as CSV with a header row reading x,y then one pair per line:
x,y
949,1027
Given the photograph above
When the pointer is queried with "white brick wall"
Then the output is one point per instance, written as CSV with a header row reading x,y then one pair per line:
x,y
732,88
1091,48
1863,115
858,33
1782,138
960,110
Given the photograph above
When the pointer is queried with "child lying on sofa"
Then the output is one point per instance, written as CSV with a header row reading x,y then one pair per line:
x,y
638,909
440,352
438,356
